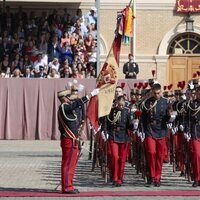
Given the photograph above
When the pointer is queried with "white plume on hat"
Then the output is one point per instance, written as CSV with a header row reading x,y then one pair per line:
x,y
81,87
69,83
75,81
93,8
155,82
74,84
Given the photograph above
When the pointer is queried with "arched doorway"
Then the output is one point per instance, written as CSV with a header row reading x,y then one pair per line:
x,y
184,59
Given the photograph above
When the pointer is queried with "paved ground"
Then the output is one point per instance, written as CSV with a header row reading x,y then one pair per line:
x,y
35,166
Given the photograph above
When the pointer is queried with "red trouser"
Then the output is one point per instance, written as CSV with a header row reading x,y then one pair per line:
x,y
119,154
155,154
69,159
195,154
179,138
166,154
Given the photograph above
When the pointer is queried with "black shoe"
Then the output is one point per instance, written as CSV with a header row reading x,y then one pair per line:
x,y
198,183
157,184
71,192
177,168
182,174
118,185
77,191
149,182
114,183
195,184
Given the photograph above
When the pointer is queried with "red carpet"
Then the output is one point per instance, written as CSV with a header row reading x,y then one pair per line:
x,y
102,193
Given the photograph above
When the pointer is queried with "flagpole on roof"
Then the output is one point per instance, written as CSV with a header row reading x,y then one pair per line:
x,y
134,29
97,2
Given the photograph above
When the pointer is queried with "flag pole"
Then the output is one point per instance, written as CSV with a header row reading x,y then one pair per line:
x,y
98,36
134,30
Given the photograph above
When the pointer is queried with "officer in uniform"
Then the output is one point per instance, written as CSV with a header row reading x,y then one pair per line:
x,y
155,115
130,69
69,124
118,92
194,130
116,126
180,120
140,149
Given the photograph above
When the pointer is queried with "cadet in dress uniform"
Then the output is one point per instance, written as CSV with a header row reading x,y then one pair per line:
x,y
155,115
179,107
194,129
69,124
118,92
117,125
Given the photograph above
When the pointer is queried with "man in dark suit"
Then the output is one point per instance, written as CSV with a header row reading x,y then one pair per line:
x,y
41,73
5,46
53,49
28,73
130,69
19,47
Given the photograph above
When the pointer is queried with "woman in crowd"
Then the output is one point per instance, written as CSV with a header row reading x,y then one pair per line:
x,y
4,65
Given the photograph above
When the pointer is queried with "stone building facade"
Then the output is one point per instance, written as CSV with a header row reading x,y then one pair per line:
x,y
157,25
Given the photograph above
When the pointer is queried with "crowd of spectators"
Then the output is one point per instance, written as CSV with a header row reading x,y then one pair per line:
x,y
55,45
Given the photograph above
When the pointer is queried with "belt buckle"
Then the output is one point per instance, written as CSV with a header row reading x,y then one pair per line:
x,y
153,122
118,129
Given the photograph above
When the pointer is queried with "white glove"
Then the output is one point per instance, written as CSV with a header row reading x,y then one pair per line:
x,y
187,136
169,125
173,116
95,92
191,86
184,97
139,133
142,137
103,136
181,127
135,124
133,109
173,131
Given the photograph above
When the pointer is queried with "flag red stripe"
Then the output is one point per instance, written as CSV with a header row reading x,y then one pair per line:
x,y
117,47
92,112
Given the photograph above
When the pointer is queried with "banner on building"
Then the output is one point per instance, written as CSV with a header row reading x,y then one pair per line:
x,y
185,6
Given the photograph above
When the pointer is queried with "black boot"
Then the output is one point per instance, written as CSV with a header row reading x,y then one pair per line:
x,y
149,182
157,183
195,184
182,174
114,183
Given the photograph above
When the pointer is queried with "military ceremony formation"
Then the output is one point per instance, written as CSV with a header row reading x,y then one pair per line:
x,y
155,126
100,99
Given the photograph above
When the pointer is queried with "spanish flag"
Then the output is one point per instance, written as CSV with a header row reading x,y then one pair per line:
x,y
101,105
126,23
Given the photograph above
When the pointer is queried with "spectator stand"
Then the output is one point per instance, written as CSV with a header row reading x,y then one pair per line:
x,y
54,44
